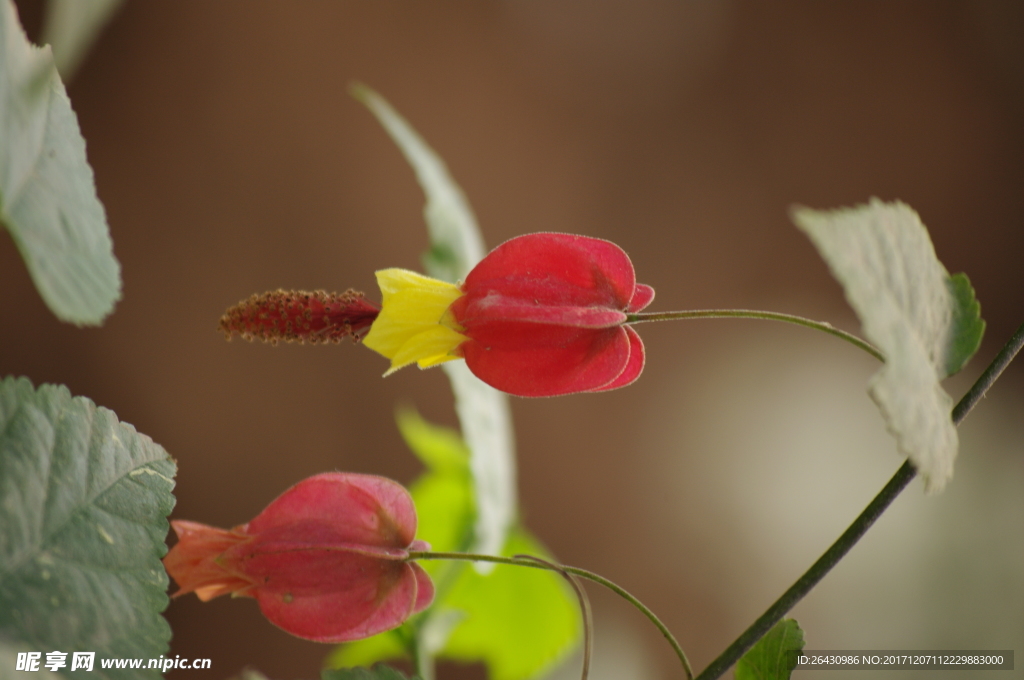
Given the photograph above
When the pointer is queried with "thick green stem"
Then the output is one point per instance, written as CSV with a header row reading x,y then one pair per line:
x,y
576,571
860,525
823,326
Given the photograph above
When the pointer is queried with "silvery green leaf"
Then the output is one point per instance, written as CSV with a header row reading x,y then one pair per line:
x,y
925,322
455,242
456,247
83,506
48,198
71,28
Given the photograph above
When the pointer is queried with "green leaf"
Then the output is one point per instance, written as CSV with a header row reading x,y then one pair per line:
x,y
47,195
520,622
456,246
378,672
926,323
83,507
71,28
443,495
774,655
9,662
387,646
487,428
440,449
968,326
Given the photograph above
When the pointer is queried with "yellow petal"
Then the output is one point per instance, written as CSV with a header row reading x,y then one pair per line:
x,y
429,348
409,328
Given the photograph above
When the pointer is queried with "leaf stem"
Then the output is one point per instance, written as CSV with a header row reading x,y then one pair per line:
x,y
576,571
859,527
824,326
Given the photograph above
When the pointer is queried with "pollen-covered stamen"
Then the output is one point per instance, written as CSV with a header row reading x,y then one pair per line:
x,y
301,316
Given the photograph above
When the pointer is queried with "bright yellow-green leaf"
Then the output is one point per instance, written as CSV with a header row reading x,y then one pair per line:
x,y
520,622
444,493
774,655
441,449
386,646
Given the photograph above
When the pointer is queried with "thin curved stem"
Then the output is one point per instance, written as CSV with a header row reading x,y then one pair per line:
x,y
824,326
576,571
859,526
581,596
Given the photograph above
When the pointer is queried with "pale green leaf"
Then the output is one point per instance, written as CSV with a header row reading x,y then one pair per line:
x,y
456,246
83,506
924,322
486,422
48,198
71,28
455,242
775,655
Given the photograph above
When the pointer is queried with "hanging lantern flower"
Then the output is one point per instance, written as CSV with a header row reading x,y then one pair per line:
x,y
541,315
326,561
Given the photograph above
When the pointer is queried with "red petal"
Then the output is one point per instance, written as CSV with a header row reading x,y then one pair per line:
x,y
635,365
338,508
336,596
642,296
543,361
424,589
472,312
557,270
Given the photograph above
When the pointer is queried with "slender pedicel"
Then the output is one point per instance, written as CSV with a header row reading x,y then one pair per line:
x,y
576,571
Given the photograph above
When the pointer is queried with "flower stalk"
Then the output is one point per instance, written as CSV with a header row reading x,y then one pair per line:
x,y
526,561
822,326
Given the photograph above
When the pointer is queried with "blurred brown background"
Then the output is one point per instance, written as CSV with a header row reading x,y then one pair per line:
x,y
231,160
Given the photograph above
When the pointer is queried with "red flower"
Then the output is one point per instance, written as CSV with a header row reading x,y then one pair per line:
x,y
540,315
326,561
